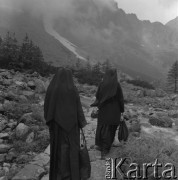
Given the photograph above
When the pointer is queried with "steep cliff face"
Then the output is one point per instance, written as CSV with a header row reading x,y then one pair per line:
x,y
173,24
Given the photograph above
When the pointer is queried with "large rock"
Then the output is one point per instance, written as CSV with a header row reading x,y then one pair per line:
x,y
21,130
30,172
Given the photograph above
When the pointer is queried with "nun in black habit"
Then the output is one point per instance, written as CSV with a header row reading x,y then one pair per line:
x,y
110,103
64,116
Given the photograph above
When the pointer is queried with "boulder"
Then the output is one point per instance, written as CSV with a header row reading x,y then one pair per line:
x,y
21,130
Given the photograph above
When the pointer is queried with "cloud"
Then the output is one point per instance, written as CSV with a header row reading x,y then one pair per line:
x,y
168,3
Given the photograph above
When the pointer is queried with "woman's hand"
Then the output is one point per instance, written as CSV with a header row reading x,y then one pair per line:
x,y
122,117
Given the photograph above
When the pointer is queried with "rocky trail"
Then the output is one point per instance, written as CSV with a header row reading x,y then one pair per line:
x,y
24,137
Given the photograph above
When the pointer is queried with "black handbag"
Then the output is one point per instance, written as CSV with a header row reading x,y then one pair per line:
x,y
123,132
84,159
94,114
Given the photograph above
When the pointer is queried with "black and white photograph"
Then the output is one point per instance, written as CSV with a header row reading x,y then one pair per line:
x,y
88,89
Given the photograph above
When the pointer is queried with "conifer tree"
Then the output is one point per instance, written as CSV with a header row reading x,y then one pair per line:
x,y
172,77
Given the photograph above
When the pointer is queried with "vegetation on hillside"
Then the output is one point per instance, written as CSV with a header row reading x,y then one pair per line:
x,y
141,83
22,57
172,77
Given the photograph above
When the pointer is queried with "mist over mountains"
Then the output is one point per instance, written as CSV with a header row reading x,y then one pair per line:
x,y
99,30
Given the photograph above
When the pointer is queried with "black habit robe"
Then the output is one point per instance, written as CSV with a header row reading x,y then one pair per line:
x,y
64,116
110,102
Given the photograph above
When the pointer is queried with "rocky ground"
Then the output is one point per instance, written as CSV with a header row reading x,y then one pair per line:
x,y
24,137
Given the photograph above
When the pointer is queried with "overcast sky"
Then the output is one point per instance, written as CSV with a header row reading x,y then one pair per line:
x,y
153,10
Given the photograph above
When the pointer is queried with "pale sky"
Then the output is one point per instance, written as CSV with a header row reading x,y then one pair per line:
x,y
153,10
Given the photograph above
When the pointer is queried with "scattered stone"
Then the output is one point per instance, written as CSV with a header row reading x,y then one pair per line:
x,y
21,130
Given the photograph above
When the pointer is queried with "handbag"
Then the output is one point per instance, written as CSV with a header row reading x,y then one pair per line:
x,y
94,114
84,159
123,132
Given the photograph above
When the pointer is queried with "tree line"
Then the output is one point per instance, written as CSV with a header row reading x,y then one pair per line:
x,y
25,56
172,78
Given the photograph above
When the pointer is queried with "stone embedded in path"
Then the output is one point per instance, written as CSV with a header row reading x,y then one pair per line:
x,y
30,172
41,160
46,177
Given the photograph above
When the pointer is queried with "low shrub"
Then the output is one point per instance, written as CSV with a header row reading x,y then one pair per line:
x,y
141,83
162,121
147,150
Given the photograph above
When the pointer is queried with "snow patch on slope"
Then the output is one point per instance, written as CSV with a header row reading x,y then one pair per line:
x,y
49,29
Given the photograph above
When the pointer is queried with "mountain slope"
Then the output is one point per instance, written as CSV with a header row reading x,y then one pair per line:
x,y
144,47
173,24
21,24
